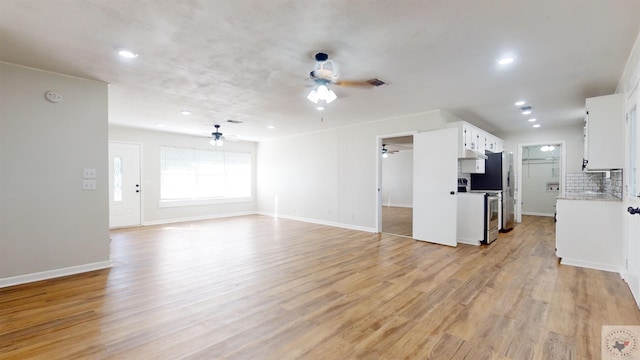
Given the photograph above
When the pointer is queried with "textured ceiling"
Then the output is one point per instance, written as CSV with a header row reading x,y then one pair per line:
x,y
248,60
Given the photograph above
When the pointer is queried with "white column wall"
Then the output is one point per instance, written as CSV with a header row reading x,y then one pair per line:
x,y
49,225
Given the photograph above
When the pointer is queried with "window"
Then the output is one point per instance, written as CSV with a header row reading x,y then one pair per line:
x,y
191,174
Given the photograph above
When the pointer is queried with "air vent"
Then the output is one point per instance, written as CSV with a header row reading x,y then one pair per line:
x,y
234,121
525,108
376,82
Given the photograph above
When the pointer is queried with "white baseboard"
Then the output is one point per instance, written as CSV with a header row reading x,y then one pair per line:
x,y
321,222
468,242
197,218
50,274
537,214
591,265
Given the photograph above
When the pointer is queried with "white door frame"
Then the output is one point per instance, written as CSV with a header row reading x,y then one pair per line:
x,y
518,160
378,154
142,191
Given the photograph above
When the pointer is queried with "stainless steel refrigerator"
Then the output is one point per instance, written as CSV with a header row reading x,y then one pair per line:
x,y
498,177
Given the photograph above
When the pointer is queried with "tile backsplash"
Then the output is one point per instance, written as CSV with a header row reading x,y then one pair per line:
x,y
597,182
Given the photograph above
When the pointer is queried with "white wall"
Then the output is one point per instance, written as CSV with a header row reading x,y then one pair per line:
x,y
49,226
573,135
151,142
397,179
331,176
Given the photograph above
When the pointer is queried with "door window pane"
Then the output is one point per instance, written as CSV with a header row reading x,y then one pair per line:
x,y
117,179
633,153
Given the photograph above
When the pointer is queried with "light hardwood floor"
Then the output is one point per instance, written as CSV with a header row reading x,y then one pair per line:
x,y
259,288
397,220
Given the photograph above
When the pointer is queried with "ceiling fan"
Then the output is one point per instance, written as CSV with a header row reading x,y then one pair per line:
x,y
386,152
324,74
217,137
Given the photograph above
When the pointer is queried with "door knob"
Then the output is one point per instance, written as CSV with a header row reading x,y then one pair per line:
x,y
633,210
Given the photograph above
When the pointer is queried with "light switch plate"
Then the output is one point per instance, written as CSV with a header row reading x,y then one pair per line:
x,y
88,185
89,173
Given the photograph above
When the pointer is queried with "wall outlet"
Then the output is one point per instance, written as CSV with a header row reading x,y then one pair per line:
x,y
89,173
88,185
553,187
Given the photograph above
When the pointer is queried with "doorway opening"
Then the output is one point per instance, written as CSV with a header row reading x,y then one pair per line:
x,y
541,177
395,185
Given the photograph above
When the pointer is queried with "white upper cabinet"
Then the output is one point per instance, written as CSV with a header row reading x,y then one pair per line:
x,y
493,144
604,133
474,141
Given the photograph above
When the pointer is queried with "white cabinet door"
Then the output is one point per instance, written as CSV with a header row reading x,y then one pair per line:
x,y
468,136
435,172
604,140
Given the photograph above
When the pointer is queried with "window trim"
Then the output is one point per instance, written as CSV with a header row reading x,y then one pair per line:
x,y
202,202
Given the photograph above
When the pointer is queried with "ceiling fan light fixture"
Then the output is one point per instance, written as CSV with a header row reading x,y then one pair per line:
x,y
330,96
322,93
385,152
313,96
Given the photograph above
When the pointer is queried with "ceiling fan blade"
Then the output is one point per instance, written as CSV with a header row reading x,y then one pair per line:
x,y
362,84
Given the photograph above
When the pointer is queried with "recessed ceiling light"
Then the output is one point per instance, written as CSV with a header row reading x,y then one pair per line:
x,y
532,120
320,108
536,125
271,127
127,54
160,125
520,103
526,112
506,60
185,112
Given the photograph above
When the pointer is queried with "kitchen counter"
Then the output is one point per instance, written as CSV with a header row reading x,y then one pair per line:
x,y
590,233
588,195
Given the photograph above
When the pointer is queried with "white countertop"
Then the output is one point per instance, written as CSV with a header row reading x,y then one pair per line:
x,y
588,195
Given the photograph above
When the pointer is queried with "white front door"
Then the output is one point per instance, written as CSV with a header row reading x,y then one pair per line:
x,y
435,173
632,198
124,184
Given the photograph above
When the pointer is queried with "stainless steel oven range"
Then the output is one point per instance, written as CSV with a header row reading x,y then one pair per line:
x,y
491,214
